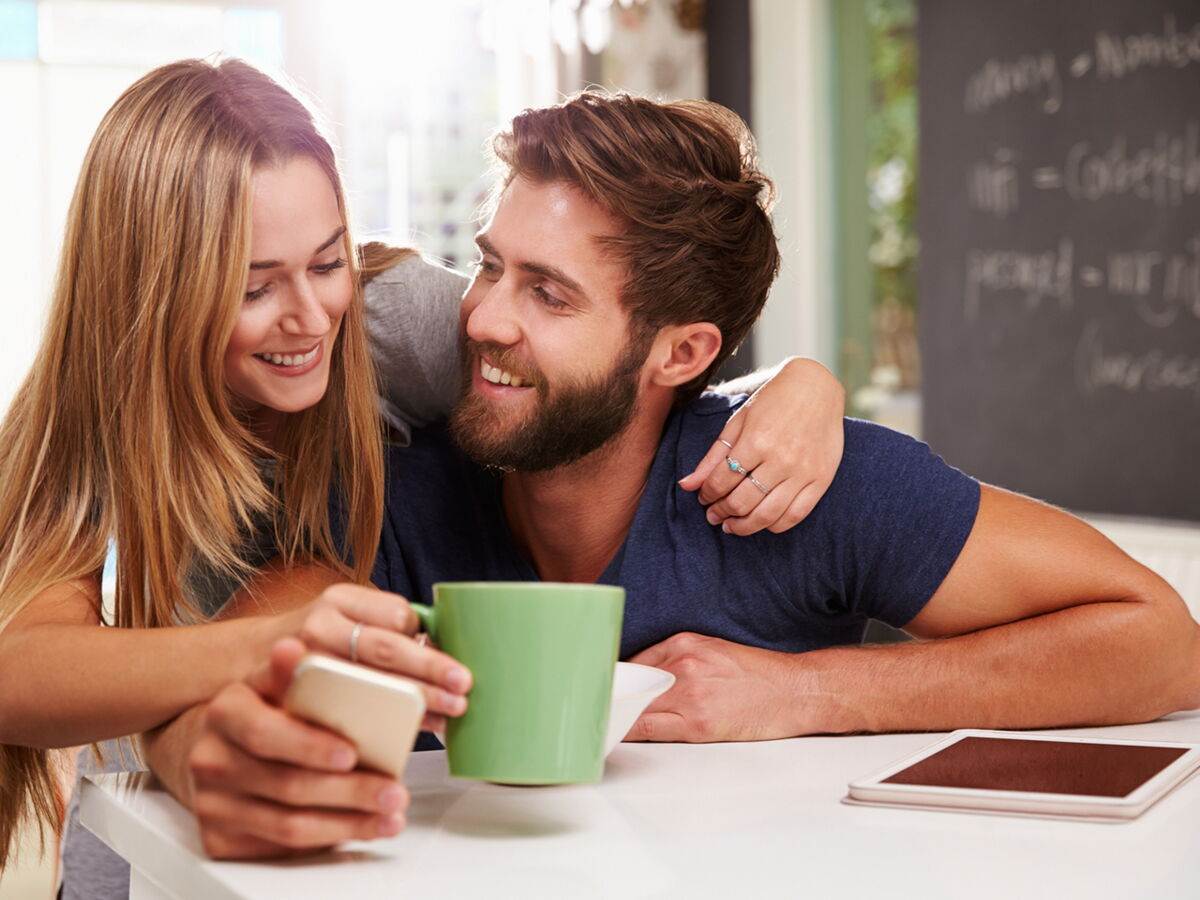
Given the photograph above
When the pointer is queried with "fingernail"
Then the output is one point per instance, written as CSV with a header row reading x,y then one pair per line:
x,y
713,518
391,798
725,528
342,758
458,680
393,823
454,704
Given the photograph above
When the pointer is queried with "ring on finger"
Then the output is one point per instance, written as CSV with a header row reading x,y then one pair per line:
x,y
422,638
758,484
726,443
735,466
354,634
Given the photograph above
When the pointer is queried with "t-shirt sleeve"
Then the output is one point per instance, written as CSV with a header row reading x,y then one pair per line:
x,y
412,319
901,516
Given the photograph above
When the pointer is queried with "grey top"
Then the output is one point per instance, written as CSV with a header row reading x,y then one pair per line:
x,y
412,317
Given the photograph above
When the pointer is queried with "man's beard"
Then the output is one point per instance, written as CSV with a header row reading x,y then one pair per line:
x,y
578,419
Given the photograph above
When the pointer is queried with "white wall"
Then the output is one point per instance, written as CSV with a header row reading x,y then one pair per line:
x,y
792,121
88,53
21,224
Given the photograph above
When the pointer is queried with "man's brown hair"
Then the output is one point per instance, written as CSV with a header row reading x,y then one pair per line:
x,y
683,176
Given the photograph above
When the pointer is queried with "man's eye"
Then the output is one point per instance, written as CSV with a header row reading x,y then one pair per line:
x,y
548,299
484,267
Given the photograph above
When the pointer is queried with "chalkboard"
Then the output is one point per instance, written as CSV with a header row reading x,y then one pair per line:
x,y
1059,220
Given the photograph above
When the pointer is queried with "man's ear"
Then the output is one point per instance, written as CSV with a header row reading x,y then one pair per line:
x,y
683,352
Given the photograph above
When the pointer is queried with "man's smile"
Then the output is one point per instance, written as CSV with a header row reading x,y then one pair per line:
x,y
496,375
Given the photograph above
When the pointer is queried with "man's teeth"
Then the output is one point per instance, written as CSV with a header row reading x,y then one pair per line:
x,y
498,376
289,359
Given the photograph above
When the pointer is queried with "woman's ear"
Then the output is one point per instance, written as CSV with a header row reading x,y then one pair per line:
x,y
683,352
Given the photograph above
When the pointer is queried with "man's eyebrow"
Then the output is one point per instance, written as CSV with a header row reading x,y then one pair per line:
x,y
551,272
274,263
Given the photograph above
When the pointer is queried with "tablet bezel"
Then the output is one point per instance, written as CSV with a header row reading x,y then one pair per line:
x,y
874,790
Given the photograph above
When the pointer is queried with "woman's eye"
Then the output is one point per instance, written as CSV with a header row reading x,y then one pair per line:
x,y
547,298
326,268
257,292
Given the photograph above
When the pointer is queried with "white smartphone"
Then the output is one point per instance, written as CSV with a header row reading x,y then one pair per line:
x,y
379,713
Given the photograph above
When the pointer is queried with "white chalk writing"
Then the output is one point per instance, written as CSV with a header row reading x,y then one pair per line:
x,y
992,184
1035,276
1165,172
998,80
1098,366
1118,56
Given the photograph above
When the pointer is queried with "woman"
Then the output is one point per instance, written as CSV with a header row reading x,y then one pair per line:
x,y
203,387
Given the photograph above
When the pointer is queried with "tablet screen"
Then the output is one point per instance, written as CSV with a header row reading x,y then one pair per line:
x,y
1041,766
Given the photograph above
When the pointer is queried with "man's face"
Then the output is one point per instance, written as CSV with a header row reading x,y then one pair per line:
x,y
551,371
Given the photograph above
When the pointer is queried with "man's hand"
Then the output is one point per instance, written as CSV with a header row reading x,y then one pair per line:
x,y
265,784
723,692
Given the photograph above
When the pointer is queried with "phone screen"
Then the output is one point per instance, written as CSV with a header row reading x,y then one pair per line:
x,y
1040,766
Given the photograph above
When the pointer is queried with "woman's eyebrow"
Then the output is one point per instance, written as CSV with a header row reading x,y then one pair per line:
x,y
274,263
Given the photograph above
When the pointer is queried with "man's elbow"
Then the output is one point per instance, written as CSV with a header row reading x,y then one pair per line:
x,y
1169,639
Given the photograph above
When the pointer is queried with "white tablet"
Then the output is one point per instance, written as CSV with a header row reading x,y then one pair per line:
x,y
1028,774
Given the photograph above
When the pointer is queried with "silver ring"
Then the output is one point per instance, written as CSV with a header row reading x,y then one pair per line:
x,y
354,633
758,484
726,443
735,466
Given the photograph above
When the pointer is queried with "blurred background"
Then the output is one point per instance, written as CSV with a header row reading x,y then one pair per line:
x,y
412,89
989,211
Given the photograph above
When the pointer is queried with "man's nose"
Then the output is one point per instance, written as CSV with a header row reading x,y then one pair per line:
x,y
492,313
304,313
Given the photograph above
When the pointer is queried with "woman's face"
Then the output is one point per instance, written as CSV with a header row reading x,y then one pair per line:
x,y
297,290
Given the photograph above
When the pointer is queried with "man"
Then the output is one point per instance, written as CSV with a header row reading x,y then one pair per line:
x,y
628,253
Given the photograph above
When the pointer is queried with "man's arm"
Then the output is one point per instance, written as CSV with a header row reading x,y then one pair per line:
x,y
1040,622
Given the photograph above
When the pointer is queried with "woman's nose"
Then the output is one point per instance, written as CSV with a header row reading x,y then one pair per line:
x,y
305,314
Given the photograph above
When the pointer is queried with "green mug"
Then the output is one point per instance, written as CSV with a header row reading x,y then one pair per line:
x,y
541,656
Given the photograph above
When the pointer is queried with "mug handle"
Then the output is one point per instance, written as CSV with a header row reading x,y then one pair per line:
x,y
428,618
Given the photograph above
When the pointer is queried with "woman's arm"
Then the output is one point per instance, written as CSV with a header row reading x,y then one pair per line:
x,y
788,436
412,316
68,681
263,783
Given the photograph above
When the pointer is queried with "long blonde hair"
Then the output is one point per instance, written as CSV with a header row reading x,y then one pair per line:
x,y
123,429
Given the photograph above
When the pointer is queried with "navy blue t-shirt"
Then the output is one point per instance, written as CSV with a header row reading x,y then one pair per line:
x,y
877,545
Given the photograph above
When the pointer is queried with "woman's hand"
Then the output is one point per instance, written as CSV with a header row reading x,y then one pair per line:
x,y
375,628
263,783
787,442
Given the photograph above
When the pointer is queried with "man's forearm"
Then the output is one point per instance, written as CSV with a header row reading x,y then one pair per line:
x,y
1100,663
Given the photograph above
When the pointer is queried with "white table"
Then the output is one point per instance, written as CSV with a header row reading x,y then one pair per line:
x,y
719,820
